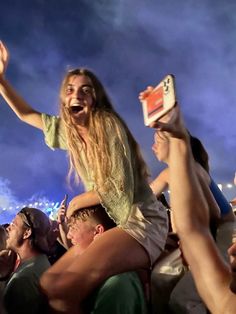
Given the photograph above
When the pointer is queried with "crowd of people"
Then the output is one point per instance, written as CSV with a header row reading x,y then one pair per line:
x,y
111,243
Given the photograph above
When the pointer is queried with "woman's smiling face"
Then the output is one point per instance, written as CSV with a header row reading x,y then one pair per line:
x,y
79,98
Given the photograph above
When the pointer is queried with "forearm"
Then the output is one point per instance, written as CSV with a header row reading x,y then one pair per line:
x,y
24,111
187,199
84,200
158,186
214,210
63,230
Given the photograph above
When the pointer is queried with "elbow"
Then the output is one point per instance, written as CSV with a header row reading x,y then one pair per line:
x,y
24,116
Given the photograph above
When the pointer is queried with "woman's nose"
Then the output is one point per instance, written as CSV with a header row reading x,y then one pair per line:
x,y
77,95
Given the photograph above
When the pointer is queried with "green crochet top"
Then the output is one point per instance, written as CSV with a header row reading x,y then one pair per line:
x,y
122,189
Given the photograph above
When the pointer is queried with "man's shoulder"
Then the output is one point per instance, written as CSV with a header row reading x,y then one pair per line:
x,y
123,279
32,266
124,285
120,293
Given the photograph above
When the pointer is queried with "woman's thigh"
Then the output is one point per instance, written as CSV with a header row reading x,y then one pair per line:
x,y
113,252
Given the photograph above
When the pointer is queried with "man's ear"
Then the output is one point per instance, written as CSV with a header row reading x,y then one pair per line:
x,y
27,233
99,229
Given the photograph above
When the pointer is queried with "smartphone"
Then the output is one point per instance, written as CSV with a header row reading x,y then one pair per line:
x,y
64,201
161,100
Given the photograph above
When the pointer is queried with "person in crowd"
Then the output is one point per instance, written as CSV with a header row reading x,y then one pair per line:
x,y
202,164
176,277
62,225
215,281
7,257
57,247
184,297
122,293
27,237
7,263
159,184
107,159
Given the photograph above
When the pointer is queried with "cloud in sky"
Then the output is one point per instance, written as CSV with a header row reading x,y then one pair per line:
x,y
129,44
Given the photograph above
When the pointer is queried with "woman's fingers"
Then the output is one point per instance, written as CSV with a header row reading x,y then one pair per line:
x,y
144,94
4,57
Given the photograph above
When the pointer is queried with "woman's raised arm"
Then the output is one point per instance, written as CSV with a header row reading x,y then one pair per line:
x,y
23,110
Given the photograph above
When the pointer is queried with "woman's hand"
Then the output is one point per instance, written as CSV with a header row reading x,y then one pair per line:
x,y
143,95
75,204
84,200
4,58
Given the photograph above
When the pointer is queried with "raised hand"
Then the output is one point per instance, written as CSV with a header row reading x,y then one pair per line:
x,y
145,93
4,58
61,214
74,205
171,124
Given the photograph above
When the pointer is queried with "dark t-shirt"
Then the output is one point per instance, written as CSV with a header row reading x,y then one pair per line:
x,y
119,294
22,294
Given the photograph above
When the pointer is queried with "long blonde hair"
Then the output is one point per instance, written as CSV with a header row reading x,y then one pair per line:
x,y
103,114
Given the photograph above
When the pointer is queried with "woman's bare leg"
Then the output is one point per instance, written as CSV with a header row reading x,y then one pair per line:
x,y
113,252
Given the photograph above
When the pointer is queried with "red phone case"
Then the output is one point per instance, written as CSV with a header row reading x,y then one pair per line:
x,y
160,101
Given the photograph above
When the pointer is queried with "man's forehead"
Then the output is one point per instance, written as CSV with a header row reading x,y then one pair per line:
x,y
78,222
17,220
75,221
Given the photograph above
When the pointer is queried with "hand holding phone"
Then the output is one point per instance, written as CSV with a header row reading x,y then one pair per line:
x,y
159,100
64,201
61,214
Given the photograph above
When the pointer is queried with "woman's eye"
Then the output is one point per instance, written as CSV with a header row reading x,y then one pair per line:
x,y
69,91
87,90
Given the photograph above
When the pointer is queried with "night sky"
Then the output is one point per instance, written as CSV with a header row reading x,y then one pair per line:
x,y
129,45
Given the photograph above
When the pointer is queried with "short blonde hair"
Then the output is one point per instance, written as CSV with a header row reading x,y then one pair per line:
x,y
97,213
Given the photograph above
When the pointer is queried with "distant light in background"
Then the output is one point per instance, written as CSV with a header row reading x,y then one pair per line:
x,y
49,208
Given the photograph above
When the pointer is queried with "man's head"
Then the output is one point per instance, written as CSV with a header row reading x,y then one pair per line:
x,y
30,226
86,224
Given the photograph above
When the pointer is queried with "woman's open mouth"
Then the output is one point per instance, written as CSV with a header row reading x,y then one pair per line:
x,y
76,108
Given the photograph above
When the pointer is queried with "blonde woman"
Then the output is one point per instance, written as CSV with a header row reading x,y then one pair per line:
x,y
104,155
